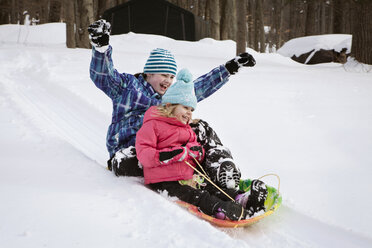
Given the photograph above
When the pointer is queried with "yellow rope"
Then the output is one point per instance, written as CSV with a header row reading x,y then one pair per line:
x,y
205,176
201,167
270,174
209,180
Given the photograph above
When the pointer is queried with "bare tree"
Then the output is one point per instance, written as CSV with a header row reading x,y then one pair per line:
x,y
70,23
259,27
215,16
241,35
311,18
362,31
84,17
228,19
55,7
250,22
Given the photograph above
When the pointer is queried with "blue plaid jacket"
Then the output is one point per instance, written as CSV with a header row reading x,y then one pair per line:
x,y
132,96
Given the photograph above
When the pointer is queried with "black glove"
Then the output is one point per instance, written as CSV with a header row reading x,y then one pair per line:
x,y
99,33
243,59
165,157
196,152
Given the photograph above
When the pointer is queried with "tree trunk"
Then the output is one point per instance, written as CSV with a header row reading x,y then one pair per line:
x,y
102,5
362,31
83,20
323,17
250,22
201,8
260,30
5,12
337,16
54,11
70,23
311,20
241,35
293,19
228,19
214,10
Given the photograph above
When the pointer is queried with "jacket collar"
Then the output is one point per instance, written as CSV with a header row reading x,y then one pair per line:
x,y
147,87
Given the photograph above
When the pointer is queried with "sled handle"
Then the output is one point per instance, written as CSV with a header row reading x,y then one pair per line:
x,y
272,174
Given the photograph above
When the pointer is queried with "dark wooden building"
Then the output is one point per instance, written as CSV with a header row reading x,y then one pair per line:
x,y
156,17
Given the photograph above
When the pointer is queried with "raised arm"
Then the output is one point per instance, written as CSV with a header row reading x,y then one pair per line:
x,y
102,71
209,83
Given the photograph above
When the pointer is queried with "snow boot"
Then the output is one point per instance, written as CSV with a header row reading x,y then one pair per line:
x,y
253,200
228,175
229,209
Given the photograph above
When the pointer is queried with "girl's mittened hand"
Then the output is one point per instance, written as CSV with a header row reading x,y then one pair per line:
x,y
196,152
178,154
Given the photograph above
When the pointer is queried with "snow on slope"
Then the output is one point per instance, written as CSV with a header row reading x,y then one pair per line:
x,y
304,45
312,125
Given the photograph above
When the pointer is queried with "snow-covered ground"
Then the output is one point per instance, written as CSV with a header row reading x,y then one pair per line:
x,y
311,125
304,45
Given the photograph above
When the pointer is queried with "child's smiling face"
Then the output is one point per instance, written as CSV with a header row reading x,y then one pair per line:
x,y
183,113
160,82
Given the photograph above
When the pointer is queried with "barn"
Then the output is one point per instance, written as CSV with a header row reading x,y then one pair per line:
x,y
156,17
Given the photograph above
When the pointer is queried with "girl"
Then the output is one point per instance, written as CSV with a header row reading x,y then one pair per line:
x,y
166,142
132,95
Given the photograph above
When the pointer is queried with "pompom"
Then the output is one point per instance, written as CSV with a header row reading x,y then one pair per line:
x,y
184,75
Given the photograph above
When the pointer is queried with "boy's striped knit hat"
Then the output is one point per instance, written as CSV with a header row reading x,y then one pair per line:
x,y
161,61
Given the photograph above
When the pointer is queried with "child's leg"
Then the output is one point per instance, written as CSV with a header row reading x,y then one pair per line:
x,y
125,163
254,200
219,163
207,203
233,193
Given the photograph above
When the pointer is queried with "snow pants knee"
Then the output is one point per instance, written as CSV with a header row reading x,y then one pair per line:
x,y
207,202
125,163
215,152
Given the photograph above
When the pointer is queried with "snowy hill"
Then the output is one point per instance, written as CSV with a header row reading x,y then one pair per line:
x,y
312,125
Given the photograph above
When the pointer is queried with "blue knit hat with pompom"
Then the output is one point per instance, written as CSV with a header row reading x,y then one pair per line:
x,y
182,91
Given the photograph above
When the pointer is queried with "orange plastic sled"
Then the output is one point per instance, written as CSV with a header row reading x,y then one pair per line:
x,y
273,201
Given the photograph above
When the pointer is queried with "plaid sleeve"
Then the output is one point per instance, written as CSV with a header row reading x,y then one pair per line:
x,y
209,83
104,75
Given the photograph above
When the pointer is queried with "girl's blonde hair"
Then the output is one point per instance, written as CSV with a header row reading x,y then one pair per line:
x,y
166,110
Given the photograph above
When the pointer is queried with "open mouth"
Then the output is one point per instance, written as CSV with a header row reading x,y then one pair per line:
x,y
185,119
163,87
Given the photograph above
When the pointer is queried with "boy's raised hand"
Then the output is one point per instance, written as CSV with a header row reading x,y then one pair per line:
x,y
99,33
243,59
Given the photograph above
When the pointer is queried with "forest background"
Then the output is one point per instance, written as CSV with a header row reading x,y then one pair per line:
x,y
264,25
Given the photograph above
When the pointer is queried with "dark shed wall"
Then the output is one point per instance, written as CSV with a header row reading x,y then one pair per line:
x,y
152,17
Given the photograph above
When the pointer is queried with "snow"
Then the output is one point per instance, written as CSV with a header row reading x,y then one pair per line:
x,y
304,45
311,125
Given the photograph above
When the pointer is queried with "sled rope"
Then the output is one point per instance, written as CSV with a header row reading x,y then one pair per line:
x,y
201,167
273,174
209,180
270,174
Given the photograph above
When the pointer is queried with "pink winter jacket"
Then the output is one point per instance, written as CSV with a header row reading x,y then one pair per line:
x,y
161,134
